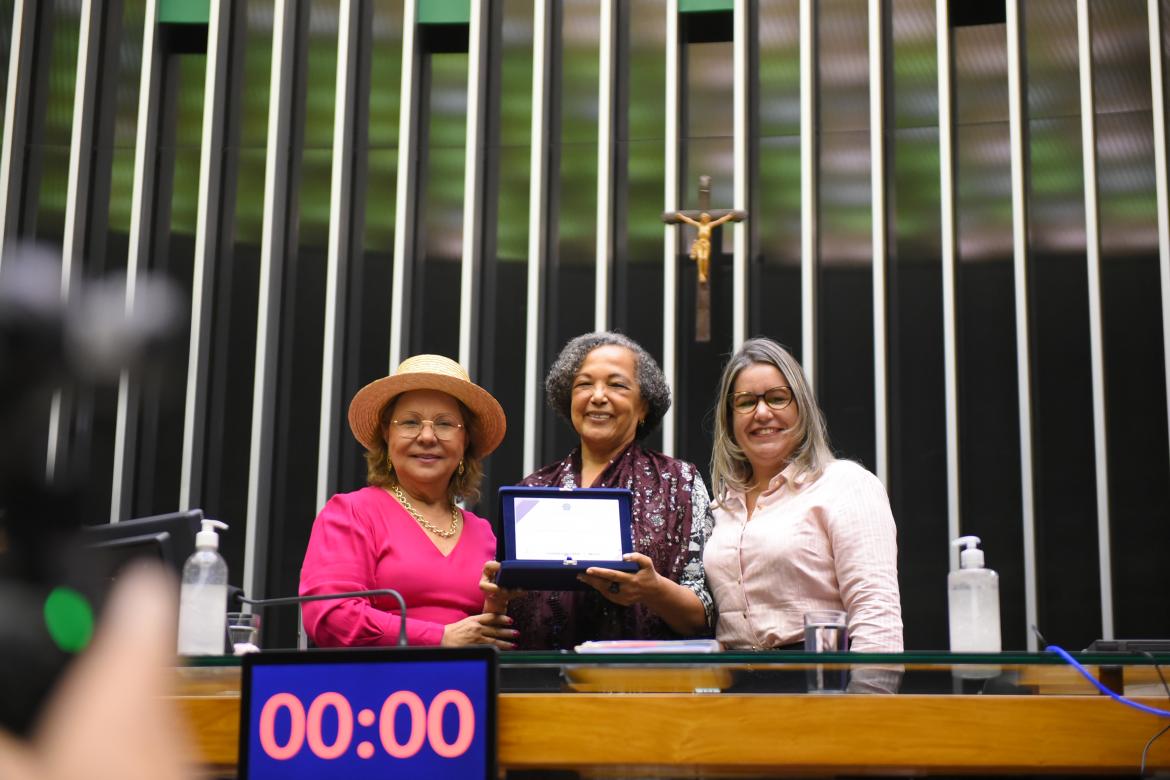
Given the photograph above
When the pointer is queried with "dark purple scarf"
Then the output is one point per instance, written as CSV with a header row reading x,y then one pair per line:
x,y
671,520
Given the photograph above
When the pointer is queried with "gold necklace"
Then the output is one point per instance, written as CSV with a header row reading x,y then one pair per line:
x,y
455,514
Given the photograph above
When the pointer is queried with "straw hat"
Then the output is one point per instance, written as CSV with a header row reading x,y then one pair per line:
x,y
427,372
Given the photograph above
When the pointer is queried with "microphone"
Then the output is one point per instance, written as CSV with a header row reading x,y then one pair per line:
x,y
302,642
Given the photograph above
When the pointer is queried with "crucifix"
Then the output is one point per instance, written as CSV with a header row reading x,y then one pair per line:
x,y
705,220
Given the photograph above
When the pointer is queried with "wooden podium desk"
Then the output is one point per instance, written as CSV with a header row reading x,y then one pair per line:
x,y
699,716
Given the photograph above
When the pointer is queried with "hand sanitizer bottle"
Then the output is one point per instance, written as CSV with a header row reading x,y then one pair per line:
x,y
203,596
973,600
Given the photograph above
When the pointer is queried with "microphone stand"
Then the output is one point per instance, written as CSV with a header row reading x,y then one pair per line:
x,y
302,641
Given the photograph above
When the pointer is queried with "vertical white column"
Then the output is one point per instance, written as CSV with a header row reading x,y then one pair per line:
x,y
741,48
88,49
1016,130
472,186
946,170
537,227
604,230
877,178
15,118
1096,342
273,249
670,203
76,192
141,217
808,189
1158,109
208,237
403,204
339,249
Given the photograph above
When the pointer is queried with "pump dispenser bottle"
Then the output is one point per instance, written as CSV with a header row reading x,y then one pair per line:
x,y
973,600
203,596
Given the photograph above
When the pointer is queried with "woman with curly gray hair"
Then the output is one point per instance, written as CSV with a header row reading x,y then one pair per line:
x,y
613,393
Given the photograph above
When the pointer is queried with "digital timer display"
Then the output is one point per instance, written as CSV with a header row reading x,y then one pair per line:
x,y
358,714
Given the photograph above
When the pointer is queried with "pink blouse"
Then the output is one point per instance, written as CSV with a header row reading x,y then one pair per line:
x,y
826,544
365,540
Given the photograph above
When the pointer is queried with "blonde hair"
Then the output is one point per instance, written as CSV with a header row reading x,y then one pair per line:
x,y
730,468
463,486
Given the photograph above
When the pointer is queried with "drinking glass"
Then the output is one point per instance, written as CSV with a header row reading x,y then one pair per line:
x,y
826,631
243,630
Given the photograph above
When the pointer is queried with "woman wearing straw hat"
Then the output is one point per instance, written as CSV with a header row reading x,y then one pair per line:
x,y
425,428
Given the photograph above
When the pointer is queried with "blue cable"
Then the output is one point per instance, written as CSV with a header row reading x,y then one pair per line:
x,y
1060,651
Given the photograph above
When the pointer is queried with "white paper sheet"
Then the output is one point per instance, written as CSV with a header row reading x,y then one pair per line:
x,y
549,529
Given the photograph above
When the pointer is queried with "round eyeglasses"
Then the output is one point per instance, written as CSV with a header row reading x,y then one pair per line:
x,y
444,430
776,398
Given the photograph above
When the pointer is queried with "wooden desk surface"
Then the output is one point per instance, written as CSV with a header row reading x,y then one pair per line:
x,y
745,734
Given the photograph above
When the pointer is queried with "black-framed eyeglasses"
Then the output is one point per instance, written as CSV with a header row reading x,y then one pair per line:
x,y
776,398
445,430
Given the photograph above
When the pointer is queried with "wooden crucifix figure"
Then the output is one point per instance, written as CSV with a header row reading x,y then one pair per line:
x,y
705,220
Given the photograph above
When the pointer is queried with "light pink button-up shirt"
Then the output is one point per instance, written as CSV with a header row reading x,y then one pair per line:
x,y
826,544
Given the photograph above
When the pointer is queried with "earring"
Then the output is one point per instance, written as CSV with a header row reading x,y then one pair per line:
x,y
389,465
461,469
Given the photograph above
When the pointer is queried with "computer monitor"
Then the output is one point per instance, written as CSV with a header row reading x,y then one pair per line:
x,y
168,538
1129,646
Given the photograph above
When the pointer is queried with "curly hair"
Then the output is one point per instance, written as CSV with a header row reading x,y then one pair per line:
x,y
730,468
463,486
558,385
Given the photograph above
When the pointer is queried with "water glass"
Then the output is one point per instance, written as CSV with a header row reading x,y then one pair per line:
x,y
826,631
243,630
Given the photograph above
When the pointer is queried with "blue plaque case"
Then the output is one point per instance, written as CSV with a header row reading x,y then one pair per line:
x,y
559,574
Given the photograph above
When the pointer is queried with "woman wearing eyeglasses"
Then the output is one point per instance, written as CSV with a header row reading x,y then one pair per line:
x,y
795,529
425,429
